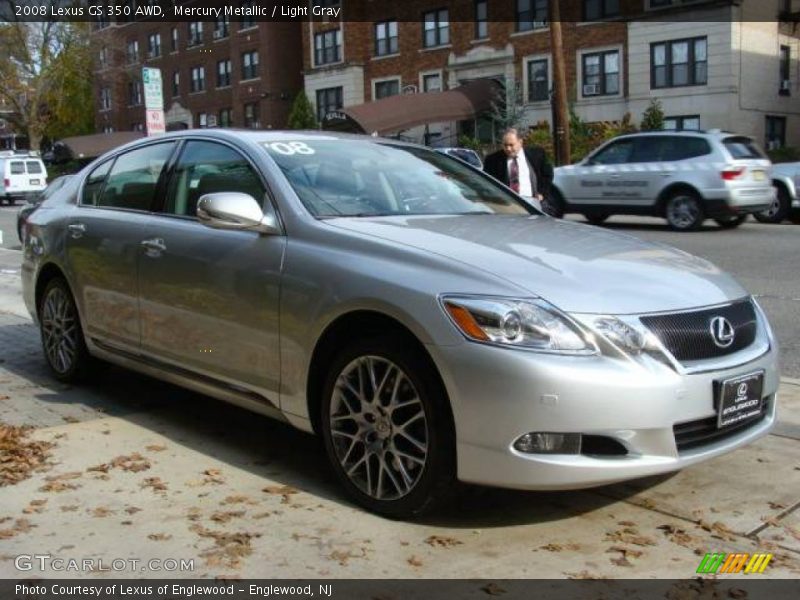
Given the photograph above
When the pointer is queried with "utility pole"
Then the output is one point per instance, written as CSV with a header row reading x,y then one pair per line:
x,y
561,124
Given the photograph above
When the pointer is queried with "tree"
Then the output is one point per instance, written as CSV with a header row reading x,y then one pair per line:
x,y
302,114
44,80
653,117
506,105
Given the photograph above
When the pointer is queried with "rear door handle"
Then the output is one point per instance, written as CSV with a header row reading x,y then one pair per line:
x,y
155,245
76,229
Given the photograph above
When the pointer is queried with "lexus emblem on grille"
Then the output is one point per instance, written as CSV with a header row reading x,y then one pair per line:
x,y
722,332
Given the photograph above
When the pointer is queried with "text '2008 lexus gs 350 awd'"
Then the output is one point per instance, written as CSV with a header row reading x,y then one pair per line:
x,y
423,319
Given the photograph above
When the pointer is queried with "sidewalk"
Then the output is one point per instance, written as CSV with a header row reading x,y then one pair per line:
x,y
141,469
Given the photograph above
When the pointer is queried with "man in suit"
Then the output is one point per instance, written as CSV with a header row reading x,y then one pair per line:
x,y
525,170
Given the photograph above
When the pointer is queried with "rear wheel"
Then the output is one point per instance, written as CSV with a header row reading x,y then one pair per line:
x,y
684,211
597,219
779,209
731,221
387,428
61,332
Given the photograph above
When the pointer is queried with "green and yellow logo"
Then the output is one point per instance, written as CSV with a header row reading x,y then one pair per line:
x,y
719,562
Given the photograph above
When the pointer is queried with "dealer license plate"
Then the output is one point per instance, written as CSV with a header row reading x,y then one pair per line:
x,y
34,182
740,399
759,175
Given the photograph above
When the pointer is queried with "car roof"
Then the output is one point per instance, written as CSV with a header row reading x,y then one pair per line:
x,y
710,133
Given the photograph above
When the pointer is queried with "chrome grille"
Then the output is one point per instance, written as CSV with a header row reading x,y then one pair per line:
x,y
687,336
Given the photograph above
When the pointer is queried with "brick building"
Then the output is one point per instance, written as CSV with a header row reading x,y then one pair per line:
x,y
713,64
215,73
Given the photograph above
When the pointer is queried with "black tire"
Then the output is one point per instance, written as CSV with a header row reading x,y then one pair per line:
x,y
62,335
553,204
684,211
355,446
780,208
731,222
597,218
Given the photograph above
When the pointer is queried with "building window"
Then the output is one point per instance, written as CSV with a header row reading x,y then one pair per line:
x,y
195,33
776,133
328,100
531,14
176,83
384,89
132,52
679,63
102,57
105,98
538,80
250,65
134,92
386,38
251,116
328,47
481,19
247,21
198,79
108,129
786,71
432,82
174,39
223,73
225,117
154,45
202,120
435,28
595,10
690,123
222,28
600,73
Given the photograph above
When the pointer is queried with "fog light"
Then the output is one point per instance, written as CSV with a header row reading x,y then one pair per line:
x,y
549,443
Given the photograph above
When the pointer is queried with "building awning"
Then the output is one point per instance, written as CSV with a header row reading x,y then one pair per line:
x,y
397,113
91,146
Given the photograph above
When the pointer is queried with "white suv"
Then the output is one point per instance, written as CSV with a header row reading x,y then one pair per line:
x,y
685,177
21,176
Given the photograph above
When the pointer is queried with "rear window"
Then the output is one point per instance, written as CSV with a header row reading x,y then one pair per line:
x,y
742,147
34,167
17,167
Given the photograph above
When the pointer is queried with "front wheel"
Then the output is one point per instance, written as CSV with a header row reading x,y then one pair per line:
x,y
387,429
684,211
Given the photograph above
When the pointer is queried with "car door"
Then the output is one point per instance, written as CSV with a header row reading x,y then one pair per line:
x,y
209,298
591,181
103,242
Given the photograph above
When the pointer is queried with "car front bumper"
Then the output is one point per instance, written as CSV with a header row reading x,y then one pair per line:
x,y
499,395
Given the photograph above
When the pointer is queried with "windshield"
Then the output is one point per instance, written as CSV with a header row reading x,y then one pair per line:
x,y
354,178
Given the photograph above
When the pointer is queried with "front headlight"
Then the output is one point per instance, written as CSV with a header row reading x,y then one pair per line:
x,y
530,324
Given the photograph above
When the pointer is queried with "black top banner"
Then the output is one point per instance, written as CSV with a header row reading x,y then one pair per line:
x,y
108,12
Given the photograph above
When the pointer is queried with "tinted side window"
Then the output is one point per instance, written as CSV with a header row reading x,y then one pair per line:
x,y
133,178
650,148
683,148
34,167
615,154
17,167
94,184
742,147
207,168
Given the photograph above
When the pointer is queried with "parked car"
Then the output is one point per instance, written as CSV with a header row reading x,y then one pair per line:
x,y
34,201
468,155
419,316
22,176
684,177
786,204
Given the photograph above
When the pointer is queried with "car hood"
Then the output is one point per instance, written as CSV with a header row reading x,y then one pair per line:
x,y
578,268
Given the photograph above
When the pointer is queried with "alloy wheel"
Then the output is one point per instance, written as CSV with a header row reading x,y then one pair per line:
x,y
59,330
683,212
379,428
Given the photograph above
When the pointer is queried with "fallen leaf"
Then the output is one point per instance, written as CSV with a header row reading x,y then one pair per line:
x,y
132,510
19,455
154,483
630,535
776,505
225,516
442,541
101,511
285,491
414,561
159,537
69,508
155,448
493,589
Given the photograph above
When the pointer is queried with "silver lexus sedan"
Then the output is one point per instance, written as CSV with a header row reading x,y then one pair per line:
x,y
423,319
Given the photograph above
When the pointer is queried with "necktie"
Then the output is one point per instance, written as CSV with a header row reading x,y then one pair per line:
x,y
513,175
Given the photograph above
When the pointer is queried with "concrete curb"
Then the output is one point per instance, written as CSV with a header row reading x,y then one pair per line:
x,y
790,381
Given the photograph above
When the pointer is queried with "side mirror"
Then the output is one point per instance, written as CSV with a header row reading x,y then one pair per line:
x,y
234,210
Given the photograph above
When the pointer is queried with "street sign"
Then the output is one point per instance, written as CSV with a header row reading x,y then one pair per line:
x,y
153,95
155,122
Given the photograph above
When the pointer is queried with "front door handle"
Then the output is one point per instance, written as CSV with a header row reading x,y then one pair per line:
x,y
155,245
76,229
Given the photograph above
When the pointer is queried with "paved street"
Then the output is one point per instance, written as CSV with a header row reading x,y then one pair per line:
x,y
177,475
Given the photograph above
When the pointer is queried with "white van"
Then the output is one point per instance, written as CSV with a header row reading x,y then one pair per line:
x,y
21,176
